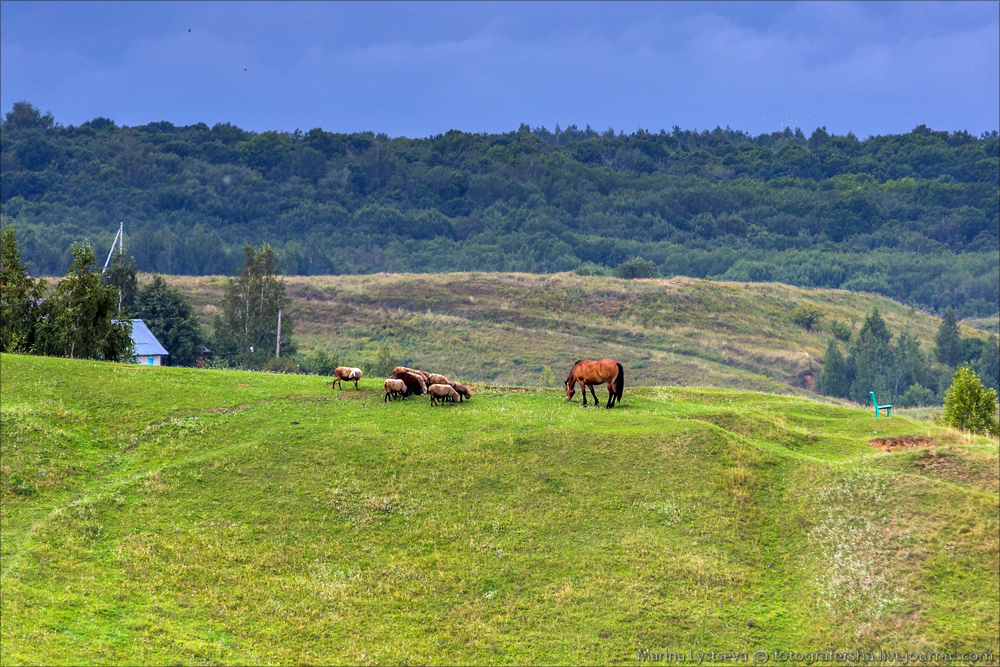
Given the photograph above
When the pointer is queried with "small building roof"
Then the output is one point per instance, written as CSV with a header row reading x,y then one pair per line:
x,y
145,342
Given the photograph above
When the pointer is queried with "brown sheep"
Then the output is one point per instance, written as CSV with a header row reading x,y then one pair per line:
x,y
434,378
461,390
442,392
399,370
394,389
414,383
346,373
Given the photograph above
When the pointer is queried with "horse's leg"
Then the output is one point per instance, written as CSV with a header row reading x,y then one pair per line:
x,y
583,390
611,394
593,393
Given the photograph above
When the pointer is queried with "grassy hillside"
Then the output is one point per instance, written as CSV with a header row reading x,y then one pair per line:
x,y
175,516
504,328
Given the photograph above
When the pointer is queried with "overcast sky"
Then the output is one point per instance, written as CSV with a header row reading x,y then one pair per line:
x,y
418,69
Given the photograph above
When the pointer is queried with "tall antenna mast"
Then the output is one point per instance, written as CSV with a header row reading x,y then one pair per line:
x,y
119,239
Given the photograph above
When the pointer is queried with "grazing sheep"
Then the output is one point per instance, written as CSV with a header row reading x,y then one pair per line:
x,y
414,383
461,390
394,389
346,373
442,392
399,370
434,378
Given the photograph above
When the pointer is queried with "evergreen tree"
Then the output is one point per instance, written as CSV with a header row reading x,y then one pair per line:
x,y
970,406
172,320
246,331
835,380
949,345
909,365
81,319
871,359
988,366
20,295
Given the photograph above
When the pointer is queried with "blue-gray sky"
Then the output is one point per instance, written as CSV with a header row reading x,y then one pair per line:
x,y
417,69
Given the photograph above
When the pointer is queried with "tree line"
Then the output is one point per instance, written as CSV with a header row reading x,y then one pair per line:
x,y
88,313
912,216
901,373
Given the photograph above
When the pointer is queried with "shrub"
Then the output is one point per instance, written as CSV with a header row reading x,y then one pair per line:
x,y
806,316
637,267
841,330
385,360
318,362
917,396
968,405
591,269
281,365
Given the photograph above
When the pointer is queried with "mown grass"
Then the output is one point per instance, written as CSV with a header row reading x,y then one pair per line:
x,y
175,516
503,329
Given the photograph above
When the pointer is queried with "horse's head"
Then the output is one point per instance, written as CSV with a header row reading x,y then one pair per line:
x,y
570,390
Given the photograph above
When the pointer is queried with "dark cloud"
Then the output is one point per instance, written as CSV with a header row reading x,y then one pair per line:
x,y
423,68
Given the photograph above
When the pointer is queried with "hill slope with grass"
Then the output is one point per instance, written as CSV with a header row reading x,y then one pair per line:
x,y
170,515
504,328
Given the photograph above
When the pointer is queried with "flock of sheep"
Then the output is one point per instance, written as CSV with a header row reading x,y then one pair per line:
x,y
406,381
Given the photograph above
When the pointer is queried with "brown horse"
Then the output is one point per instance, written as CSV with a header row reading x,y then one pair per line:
x,y
588,373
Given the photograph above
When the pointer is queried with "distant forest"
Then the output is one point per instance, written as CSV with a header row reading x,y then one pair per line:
x,y
913,216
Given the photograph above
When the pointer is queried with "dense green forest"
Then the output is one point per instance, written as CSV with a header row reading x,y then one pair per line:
x,y
914,217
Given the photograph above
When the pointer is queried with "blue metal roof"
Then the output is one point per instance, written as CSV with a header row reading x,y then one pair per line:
x,y
145,342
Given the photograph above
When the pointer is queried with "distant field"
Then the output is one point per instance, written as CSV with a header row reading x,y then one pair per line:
x,y
505,328
179,516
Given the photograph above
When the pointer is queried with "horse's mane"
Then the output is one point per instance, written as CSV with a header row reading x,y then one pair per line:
x,y
572,369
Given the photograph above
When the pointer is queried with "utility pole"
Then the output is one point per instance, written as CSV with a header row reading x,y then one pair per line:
x,y
120,240
277,350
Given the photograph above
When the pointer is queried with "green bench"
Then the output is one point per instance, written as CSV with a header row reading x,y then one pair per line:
x,y
878,408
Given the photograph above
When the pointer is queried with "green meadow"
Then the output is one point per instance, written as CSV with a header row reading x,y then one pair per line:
x,y
178,516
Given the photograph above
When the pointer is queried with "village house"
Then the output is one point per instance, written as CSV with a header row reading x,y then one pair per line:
x,y
146,349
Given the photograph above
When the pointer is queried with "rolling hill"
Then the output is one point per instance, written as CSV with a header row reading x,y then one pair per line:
x,y
504,328
171,515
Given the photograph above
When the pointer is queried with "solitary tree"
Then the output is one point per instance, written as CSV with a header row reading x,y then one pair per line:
x,y
247,329
970,406
949,345
81,319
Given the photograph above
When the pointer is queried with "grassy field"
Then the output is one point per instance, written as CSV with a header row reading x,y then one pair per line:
x,y
504,329
175,516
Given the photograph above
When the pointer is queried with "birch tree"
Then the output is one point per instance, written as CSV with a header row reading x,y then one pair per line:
x,y
247,328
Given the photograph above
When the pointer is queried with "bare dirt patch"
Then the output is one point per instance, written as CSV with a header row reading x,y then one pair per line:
x,y
901,442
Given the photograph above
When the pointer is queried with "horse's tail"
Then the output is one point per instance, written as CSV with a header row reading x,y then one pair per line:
x,y
619,384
